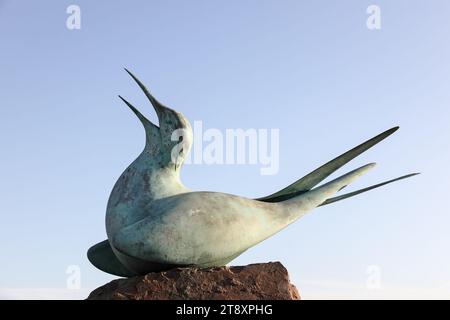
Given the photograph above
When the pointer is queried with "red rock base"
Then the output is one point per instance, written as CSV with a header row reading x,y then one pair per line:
x,y
263,281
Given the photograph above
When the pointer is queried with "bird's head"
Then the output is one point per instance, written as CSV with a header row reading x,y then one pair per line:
x,y
169,143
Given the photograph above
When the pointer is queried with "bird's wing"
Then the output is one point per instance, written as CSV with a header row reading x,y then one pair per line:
x,y
354,193
315,177
102,256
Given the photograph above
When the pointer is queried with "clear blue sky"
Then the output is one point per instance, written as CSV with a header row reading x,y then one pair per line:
x,y
312,69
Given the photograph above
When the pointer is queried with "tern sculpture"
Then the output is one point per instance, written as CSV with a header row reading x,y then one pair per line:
x,y
154,223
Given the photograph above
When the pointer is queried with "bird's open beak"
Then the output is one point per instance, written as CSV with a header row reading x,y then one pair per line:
x,y
158,106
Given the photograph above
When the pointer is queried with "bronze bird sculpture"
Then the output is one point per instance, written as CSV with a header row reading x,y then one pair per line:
x,y
155,223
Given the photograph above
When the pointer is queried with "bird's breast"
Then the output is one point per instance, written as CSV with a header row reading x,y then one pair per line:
x,y
135,191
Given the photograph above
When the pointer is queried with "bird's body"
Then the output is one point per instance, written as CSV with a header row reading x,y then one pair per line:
x,y
203,228
154,222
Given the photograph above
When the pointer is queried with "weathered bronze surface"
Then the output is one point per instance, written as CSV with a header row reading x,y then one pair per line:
x,y
154,223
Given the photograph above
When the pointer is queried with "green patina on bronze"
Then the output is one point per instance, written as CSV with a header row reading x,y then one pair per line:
x,y
154,223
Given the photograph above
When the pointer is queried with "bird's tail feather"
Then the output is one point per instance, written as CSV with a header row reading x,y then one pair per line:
x,y
354,193
313,178
305,202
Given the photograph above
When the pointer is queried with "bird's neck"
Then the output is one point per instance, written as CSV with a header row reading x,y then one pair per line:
x,y
160,180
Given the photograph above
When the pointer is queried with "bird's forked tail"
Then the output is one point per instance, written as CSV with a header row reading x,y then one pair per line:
x,y
298,206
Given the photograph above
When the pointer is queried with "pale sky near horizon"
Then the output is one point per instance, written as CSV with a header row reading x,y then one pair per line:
x,y
311,69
